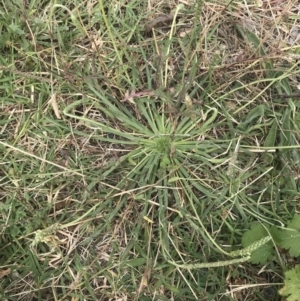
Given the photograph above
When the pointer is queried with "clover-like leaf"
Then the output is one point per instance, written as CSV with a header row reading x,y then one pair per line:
x,y
290,237
291,289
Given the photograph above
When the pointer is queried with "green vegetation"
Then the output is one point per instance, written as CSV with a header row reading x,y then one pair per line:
x,y
149,150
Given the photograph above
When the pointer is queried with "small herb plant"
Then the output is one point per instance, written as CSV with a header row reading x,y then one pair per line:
x,y
291,289
163,157
286,238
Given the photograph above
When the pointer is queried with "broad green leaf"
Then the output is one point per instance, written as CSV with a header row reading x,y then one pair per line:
x,y
291,289
263,253
290,237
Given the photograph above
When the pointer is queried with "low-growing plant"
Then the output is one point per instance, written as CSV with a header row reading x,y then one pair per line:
x,y
163,157
287,238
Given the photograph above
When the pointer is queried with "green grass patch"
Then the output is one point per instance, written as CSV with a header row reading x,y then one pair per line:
x,y
139,143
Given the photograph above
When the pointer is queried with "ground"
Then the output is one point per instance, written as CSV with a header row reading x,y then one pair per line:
x,y
139,137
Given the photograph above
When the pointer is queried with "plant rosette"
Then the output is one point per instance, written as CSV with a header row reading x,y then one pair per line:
x,y
162,157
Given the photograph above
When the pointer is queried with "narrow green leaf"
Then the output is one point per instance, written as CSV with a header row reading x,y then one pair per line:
x,y
136,262
251,38
173,179
255,113
271,137
270,142
285,134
